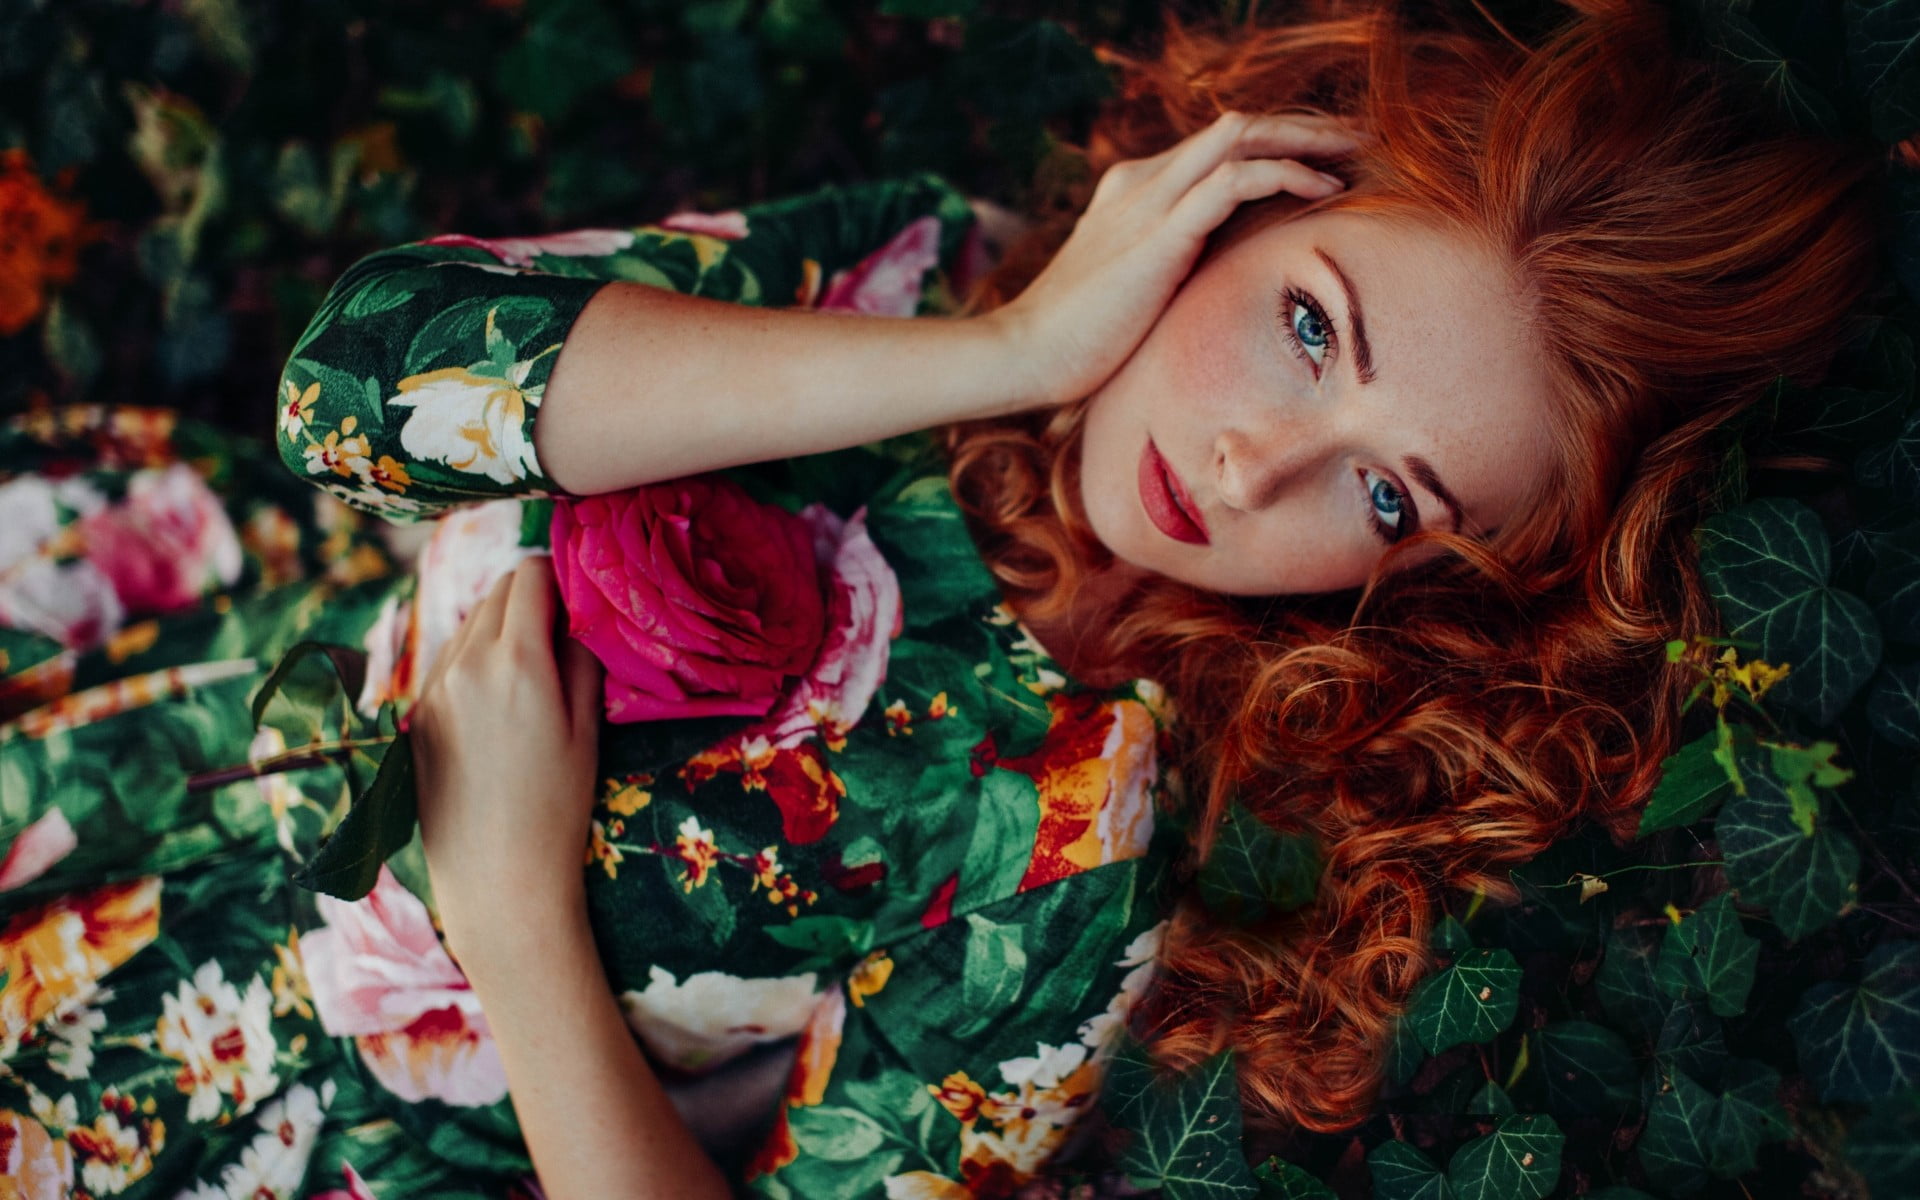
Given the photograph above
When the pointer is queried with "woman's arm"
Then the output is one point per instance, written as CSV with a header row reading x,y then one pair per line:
x,y
654,385
505,738
596,1120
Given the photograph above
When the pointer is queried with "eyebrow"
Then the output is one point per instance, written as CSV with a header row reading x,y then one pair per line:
x,y
1429,478
1362,350
1418,467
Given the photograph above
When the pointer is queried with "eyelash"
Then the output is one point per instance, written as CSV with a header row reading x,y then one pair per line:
x,y
1289,298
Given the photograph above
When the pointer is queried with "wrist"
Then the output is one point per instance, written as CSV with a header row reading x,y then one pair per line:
x,y
496,942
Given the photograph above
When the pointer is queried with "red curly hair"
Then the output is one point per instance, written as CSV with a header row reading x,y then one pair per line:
x,y
1680,248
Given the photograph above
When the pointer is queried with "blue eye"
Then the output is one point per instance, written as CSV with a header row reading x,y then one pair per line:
x,y
1384,505
1309,330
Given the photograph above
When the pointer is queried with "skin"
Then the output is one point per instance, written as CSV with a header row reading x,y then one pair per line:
x,y
1282,459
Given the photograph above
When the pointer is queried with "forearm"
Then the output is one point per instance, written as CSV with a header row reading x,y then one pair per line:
x,y
655,385
596,1120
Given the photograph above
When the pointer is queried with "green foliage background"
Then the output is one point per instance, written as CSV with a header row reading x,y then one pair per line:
x,y
1730,1007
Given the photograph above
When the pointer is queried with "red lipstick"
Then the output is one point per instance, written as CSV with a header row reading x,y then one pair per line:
x,y
1168,504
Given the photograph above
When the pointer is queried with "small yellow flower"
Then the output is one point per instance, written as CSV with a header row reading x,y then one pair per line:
x,y
599,850
899,719
291,994
389,473
869,977
939,707
298,410
695,847
630,797
961,1096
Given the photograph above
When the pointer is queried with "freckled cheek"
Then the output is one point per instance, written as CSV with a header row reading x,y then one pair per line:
x,y
1207,342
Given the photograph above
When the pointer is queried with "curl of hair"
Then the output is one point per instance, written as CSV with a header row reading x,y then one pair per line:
x,y
1453,718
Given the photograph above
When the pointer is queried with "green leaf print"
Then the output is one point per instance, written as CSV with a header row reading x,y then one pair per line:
x,y
994,973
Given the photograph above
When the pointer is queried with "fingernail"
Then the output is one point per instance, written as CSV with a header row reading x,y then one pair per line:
x,y
1333,181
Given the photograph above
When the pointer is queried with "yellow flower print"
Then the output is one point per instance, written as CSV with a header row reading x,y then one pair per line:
x,y
695,847
869,977
605,853
345,456
961,1096
39,1164
473,423
298,409
899,719
290,991
388,473
766,868
629,796
939,707
61,949
118,1149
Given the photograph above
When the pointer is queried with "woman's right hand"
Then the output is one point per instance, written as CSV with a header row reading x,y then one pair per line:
x,y
1140,235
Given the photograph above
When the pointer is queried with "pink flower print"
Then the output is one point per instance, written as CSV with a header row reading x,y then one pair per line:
x,y
863,618
356,1188
727,226
169,541
521,251
380,975
36,849
887,282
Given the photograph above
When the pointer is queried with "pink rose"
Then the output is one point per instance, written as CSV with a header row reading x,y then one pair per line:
x,y
886,283
36,849
700,600
521,251
380,975
169,540
864,616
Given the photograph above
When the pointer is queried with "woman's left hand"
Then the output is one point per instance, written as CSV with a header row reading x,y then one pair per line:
x,y
505,742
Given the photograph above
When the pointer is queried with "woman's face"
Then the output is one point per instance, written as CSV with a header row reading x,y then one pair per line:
x,y
1315,389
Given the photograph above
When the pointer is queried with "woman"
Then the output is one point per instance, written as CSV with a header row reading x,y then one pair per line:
x,y
1373,439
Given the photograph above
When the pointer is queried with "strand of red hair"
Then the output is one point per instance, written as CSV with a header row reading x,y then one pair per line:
x,y
1453,719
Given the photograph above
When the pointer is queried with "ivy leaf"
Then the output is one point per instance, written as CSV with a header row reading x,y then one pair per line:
x,y
1883,47
1895,464
1450,936
1470,1001
1678,1139
1708,956
1692,784
1280,1180
1404,1053
1767,563
1583,1069
1625,982
1519,1160
1186,1133
571,48
1748,1114
1884,1145
1692,1040
1802,881
1736,38
1893,703
1490,1101
1618,1191
1894,587
1402,1173
1255,870
1862,1043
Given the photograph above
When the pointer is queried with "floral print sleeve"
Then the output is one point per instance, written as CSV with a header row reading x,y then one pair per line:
x,y
416,386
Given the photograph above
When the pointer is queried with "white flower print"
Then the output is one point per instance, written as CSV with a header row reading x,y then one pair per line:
x,y
224,1041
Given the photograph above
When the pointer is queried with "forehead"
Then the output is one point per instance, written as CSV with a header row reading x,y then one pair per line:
x,y
1456,368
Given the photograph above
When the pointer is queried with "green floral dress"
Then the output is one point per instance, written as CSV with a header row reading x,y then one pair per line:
x,y
938,878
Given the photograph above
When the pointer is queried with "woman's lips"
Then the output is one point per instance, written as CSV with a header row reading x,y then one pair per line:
x,y
1168,505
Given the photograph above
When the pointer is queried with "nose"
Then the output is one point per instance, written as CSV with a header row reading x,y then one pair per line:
x,y
1256,462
